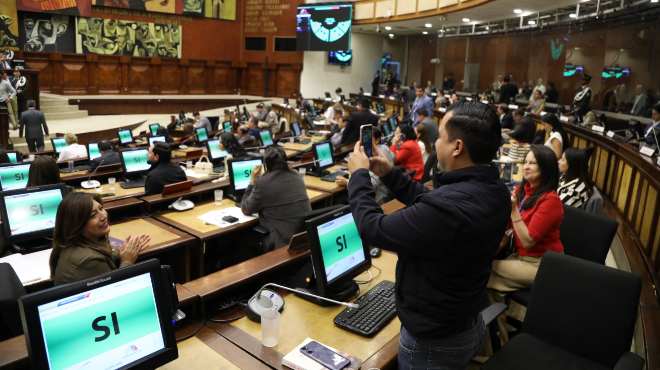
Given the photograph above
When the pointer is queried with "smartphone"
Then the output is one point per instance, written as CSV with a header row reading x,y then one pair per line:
x,y
366,137
324,355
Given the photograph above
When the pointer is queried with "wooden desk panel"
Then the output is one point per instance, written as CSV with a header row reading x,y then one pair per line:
x,y
297,147
162,235
301,319
113,192
315,183
317,196
195,190
84,175
189,222
13,353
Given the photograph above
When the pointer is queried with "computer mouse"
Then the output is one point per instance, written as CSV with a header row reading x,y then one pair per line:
x,y
375,252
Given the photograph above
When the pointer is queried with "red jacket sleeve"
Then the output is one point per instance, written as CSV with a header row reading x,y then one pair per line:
x,y
547,217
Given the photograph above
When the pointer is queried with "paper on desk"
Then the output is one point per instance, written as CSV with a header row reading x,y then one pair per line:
x,y
215,217
30,268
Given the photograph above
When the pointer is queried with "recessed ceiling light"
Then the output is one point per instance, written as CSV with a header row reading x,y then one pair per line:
x,y
531,22
487,28
517,11
387,28
573,15
428,25
466,20
391,35
654,1
425,33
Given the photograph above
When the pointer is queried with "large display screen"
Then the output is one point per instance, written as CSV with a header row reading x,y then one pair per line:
x,y
323,155
103,328
136,160
324,27
342,58
241,172
34,211
341,246
14,177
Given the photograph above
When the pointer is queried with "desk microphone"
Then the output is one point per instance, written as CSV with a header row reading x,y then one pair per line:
x,y
265,299
89,183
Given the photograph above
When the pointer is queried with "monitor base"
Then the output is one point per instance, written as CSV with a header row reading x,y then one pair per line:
x,y
33,245
340,292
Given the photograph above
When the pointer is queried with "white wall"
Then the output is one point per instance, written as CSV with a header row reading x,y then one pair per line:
x,y
318,76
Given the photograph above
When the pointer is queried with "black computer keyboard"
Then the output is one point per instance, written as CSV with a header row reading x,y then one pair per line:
x,y
331,177
377,308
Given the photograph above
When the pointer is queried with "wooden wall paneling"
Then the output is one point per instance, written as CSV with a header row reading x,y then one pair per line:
x,y
41,64
649,211
170,77
634,197
55,60
224,78
428,52
287,80
155,76
75,75
139,76
196,77
638,222
254,79
209,77
92,74
183,69
109,75
624,190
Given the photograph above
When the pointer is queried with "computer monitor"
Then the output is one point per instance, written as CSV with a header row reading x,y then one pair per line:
x,y
392,122
227,126
295,128
125,136
30,213
155,139
338,254
201,134
240,172
59,143
135,161
266,138
153,129
323,156
93,151
387,131
214,151
118,320
13,156
14,176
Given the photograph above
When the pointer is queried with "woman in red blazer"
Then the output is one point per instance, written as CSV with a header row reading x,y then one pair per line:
x,y
406,151
536,215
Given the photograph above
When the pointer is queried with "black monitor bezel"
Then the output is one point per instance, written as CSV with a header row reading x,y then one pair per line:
x,y
19,156
197,134
322,284
11,165
52,143
316,157
230,165
208,150
5,216
119,136
88,155
123,164
272,140
157,127
28,307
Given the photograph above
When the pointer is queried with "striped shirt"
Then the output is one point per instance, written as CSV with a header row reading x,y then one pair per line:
x,y
574,193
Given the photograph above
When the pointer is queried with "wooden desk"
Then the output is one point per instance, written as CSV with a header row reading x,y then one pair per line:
x,y
301,319
184,153
189,222
114,192
206,187
72,177
296,148
315,183
317,196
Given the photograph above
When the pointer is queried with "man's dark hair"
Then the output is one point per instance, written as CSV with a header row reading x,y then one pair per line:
x,y
422,112
31,103
478,126
104,146
195,114
163,151
408,132
507,78
275,159
365,103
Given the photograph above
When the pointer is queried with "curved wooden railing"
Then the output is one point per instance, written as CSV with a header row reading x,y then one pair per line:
x,y
630,183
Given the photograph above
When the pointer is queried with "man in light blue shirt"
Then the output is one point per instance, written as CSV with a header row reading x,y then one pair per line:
x,y
422,102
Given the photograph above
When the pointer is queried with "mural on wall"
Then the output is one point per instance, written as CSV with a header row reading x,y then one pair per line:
x,y
217,9
8,25
49,33
71,7
133,38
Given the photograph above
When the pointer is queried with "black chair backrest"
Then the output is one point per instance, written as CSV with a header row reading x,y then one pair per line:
x,y
429,166
583,307
587,235
11,290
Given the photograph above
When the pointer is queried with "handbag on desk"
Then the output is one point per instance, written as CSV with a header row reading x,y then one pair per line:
x,y
204,165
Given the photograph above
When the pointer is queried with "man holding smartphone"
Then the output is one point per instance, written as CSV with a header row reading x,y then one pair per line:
x,y
445,238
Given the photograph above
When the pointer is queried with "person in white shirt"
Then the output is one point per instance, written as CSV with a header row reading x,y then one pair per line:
x,y
540,87
7,95
640,102
73,150
558,138
652,133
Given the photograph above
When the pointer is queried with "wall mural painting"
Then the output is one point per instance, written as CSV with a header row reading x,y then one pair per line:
x,y
216,9
47,33
132,38
8,25
71,7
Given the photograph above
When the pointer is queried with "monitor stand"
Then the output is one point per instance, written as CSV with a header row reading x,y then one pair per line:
x,y
342,292
34,245
317,172
133,182
236,196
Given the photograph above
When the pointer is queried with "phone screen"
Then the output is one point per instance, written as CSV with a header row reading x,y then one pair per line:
x,y
366,137
324,355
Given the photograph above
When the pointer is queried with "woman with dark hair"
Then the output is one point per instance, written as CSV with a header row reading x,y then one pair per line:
x,y
279,196
230,144
43,171
406,151
536,215
81,248
424,141
522,136
558,139
575,187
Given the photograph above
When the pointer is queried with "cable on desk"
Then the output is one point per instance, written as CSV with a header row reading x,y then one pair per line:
x,y
371,276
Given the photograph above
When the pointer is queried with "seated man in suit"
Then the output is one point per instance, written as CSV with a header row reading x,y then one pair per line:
x,y
108,156
162,172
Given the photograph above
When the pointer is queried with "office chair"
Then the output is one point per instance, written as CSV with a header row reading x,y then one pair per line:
x,y
582,316
584,235
11,290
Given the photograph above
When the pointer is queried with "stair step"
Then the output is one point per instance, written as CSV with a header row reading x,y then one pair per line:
x,y
59,108
67,115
